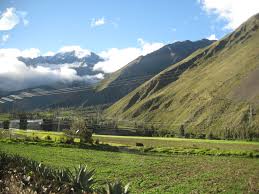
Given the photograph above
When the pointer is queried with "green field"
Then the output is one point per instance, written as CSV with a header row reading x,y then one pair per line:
x,y
180,142
151,172
155,142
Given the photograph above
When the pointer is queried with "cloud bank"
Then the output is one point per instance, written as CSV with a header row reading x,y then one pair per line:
x,y
235,12
117,58
15,75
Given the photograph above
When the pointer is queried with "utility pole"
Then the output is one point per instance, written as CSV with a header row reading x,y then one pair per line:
x,y
58,124
250,115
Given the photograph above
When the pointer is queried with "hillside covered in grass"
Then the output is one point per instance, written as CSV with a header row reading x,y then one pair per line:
x,y
145,67
214,91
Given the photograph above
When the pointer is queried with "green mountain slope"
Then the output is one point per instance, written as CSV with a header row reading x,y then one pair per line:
x,y
215,91
125,80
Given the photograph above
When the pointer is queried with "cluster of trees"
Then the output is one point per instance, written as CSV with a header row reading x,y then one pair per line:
x,y
79,129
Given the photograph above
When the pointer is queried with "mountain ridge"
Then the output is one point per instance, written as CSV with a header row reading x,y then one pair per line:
x,y
197,91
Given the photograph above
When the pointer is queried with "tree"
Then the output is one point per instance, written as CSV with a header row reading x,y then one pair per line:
x,y
23,121
79,129
6,124
47,125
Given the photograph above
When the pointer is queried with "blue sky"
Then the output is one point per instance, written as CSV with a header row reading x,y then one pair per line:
x,y
119,31
53,24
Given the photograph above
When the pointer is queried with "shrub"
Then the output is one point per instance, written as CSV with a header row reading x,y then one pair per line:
x,y
139,144
48,138
116,188
27,138
36,138
6,124
79,129
97,141
83,180
69,141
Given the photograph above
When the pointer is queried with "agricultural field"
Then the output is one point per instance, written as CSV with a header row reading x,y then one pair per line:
x,y
180,142
158,143
150,172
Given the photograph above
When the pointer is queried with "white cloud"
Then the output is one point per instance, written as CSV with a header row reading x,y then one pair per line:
x,y
233,11
5,38
98,22
117,58
31,53
25,22
212,37
15,75
9,19
79,52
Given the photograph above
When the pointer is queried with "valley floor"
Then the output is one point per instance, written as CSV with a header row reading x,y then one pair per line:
x,y
156,173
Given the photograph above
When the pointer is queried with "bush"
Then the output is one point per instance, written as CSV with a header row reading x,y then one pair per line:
x,y
116,188
48,138
69,141
139,144
6,124
79,129
97,141
27,138
36,138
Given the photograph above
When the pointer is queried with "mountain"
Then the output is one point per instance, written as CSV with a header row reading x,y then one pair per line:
x,y
214,91
83,64
118,84
115,85
125,80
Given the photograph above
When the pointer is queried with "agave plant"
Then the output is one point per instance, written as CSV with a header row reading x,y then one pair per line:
x,y
83,180
117,188
63,175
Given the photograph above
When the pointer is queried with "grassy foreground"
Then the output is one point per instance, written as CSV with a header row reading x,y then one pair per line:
x,y
153,173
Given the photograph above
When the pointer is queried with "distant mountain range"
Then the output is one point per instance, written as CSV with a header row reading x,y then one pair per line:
x,y
83,65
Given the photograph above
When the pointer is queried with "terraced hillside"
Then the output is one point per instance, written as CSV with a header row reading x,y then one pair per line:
x,y
215,91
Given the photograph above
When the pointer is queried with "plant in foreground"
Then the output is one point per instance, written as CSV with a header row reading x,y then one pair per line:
x,y
83,179
116,188
40,178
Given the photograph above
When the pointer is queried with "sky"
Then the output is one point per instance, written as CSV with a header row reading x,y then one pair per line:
x,y
117,30
102,24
